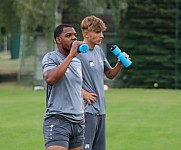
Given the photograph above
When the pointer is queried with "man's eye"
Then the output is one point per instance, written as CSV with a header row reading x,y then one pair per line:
x,y
68,35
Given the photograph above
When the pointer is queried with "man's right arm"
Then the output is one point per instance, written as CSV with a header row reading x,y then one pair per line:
x,y
53,75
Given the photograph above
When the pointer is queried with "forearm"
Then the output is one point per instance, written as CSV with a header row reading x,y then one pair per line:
x,y
52,76
83,93
114,71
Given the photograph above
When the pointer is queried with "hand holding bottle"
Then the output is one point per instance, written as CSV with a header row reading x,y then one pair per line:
x,y
121,56
83,48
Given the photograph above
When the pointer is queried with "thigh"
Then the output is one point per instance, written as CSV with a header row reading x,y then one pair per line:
x,y
77,148
56,132
56,148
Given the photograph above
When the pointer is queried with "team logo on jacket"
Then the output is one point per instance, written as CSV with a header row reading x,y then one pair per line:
x,y
91,63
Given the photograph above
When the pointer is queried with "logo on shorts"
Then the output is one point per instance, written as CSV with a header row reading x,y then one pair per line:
x,y
51,129
87,146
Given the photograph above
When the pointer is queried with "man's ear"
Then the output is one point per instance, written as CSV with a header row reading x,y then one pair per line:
x,y
85,34
58,40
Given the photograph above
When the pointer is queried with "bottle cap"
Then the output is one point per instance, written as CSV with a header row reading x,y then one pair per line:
x,y
113,47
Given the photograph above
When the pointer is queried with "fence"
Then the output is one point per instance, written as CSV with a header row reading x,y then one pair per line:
x,y
149,31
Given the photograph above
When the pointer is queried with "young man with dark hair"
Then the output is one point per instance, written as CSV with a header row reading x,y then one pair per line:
x,y
63,125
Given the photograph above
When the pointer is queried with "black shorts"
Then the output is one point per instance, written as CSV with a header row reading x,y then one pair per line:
x,y
61,132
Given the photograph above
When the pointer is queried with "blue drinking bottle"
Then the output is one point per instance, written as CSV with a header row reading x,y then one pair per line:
x,y
83,48
117,52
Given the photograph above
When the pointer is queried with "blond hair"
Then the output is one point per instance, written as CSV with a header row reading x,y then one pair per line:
x,y
92,23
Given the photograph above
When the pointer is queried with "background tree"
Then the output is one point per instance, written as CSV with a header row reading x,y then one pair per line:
x,y
36,16
9,24
148,33
145,29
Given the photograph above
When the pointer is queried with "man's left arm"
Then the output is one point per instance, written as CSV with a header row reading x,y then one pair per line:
x,y
111,73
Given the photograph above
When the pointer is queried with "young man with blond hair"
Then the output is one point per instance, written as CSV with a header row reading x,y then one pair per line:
x,y
95,65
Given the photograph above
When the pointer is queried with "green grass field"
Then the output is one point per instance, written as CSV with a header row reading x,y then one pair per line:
x,y
137,119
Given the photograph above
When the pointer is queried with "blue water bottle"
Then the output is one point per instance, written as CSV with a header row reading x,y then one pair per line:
x,y
117,52
83,48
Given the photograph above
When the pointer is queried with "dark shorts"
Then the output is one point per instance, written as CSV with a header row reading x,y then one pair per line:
x,y
95,133
61,132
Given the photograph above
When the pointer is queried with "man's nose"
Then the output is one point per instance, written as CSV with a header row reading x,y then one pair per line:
x,y
101,35
74,37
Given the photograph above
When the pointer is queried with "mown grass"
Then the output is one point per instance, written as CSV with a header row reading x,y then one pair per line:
x,y
137,119
140,119
21,111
